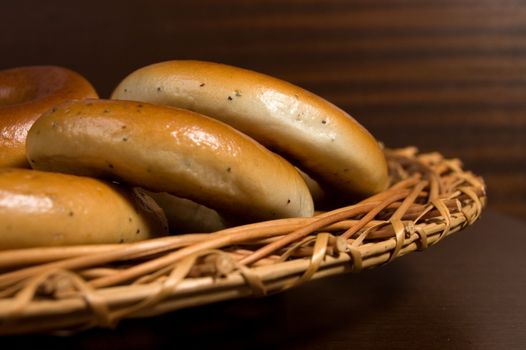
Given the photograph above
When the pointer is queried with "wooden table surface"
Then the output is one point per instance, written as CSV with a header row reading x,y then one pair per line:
x,y
467,292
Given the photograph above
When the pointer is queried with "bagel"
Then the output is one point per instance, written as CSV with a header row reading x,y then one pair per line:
x,y
26,93
50,209
184,215
166,149
314,134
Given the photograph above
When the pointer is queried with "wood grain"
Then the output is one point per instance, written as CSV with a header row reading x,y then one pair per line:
x,y
443,75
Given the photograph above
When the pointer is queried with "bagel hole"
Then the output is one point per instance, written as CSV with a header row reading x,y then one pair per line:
x,y
12,95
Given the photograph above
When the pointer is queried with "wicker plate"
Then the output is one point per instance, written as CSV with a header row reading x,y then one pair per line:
x,y
73,288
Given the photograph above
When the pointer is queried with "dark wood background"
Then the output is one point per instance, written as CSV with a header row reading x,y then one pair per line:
x,y
444,75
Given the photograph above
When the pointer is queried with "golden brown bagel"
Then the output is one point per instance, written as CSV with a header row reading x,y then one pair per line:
x,y
26,93
49,209
166,149
320,138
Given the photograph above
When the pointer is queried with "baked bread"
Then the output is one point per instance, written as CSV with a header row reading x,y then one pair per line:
x,y
165,149
50,209
26,93
318,137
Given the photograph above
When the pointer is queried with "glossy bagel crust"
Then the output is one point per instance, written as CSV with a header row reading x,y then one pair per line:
x,y
50,209
166,149
319,137
26,93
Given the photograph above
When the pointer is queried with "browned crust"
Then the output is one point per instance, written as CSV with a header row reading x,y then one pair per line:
x,y
167,149
319,137
26,93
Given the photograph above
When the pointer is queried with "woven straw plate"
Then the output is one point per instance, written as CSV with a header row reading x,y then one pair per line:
x,y
73,288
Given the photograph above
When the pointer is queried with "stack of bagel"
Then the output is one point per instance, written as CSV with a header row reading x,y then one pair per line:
x,y
181,146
